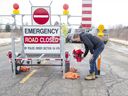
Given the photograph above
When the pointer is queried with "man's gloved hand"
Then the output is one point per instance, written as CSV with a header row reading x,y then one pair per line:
x,y
84,55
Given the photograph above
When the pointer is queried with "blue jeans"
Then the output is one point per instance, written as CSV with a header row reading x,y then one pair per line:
x,y
97,52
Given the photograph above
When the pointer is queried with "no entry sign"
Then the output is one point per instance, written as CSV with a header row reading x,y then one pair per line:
x,y
40,16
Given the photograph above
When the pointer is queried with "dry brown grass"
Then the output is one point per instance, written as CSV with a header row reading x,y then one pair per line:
x,y
8,34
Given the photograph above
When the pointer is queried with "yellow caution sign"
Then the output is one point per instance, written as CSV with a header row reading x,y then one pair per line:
x,y
101,29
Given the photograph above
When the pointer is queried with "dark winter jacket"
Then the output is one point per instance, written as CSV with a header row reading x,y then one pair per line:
x,y
90,42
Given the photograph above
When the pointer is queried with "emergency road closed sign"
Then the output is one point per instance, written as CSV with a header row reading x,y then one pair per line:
x,y
40,15
41,39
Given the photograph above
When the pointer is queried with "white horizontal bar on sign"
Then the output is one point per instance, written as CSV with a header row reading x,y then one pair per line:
x,y
41,16
86,8
87,2
86,22
86,15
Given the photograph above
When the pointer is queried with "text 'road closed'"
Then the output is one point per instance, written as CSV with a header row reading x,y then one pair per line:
x,y
41,39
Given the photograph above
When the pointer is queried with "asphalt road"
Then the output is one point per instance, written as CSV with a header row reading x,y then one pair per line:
x,y
48,81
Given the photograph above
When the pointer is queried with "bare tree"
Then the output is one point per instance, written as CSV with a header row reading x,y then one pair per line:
x,y
119,32
7,28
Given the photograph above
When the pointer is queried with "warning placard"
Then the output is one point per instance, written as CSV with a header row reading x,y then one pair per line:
x,y
41,39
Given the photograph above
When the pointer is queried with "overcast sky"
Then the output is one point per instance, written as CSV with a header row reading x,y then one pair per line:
x,y
107,12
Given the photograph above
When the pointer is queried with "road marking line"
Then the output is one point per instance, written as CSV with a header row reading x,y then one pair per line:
x,y
27,77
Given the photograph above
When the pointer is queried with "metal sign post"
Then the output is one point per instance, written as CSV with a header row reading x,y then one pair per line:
x,y
13,46
22,38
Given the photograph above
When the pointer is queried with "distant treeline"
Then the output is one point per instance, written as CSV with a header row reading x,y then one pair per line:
x,y
119,32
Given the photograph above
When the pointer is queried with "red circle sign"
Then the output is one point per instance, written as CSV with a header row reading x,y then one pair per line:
x,y
41,16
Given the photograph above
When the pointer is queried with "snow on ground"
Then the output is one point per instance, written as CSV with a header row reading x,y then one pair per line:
x,y
119,41
4,41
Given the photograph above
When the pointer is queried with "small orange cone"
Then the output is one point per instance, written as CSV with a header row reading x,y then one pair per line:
x,y
24,69
72,74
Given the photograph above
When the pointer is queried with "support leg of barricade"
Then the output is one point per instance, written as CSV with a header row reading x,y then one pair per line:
x,y
67,66
13,46
67,62
16,69
22,38
63,53
61,65
12,66
63,68
13,55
